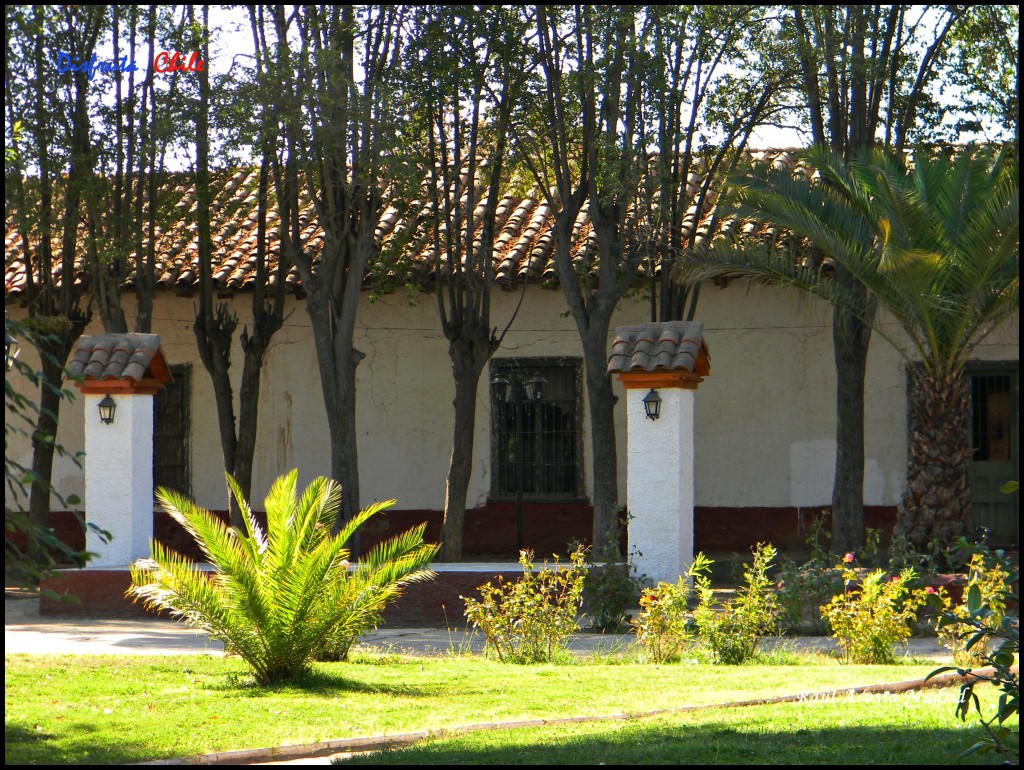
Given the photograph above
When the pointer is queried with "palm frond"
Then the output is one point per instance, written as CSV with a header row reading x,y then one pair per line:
x,y
937,245
276,597
350,526
256,536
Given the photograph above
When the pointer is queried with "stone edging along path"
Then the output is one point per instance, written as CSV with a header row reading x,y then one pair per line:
x,y
380,742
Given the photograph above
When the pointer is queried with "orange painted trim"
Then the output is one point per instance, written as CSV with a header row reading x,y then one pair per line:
x,y
702,366
147,387
158,368
659,379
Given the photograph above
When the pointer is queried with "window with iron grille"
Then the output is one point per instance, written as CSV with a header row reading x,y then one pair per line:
x,y
171,411
990,416
537,441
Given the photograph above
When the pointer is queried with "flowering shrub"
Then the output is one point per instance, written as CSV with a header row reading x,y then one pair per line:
x,y
988,572
868,620
664,626
803,588
530,619
996,645
733,629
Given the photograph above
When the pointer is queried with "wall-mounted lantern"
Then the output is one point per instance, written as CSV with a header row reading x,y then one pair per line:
x,y
11,351
652,405
107,408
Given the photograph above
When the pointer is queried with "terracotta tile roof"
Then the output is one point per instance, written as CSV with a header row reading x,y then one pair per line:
x,y
523,245
661,346
114,356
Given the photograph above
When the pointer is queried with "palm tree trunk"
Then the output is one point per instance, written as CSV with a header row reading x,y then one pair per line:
x,y
936,506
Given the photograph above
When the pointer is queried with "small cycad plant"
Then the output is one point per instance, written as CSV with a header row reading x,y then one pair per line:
x,y
868,619
530,620
277,597
733,629
664,626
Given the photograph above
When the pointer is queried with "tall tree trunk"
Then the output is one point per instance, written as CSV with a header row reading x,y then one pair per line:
x,y
601,401
468,362
53,350
337,359
850,340
248,420
936,506
214,332
344,448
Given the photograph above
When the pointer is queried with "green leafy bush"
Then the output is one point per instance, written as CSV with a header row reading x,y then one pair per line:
x,y
987,571
868,618
665,627
734,628
611,587
530,620
991,637
32,551
276,598
803,588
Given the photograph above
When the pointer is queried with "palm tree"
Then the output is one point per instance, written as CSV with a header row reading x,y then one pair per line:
x,y
280,597
937,246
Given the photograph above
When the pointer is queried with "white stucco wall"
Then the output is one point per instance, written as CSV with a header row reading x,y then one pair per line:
x,y
660,466
764,419
119,469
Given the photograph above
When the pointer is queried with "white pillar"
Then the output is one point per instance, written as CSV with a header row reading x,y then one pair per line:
x,y
119,479
660,477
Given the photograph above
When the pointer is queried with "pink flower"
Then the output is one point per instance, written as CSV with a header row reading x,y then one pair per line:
x,y
930,589
848,558
895,578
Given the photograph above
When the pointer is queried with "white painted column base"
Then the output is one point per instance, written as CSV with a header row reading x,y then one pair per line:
x,y
119,479
660,477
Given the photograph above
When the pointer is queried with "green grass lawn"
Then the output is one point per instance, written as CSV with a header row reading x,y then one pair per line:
x,y
911,728
111,709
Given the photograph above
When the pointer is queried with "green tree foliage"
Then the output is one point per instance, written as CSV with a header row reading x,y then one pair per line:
x,y
51,108
277,596
468,67
985,631
345,101
862,77
31,550
618,83
937,247
711,75
983,62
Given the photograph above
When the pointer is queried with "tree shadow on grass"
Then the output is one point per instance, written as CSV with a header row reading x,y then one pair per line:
x,y
21,746
741,736
320,682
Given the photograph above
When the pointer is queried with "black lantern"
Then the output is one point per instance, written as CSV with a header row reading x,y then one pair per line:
x,y
10,351
533,389
107,408
502,387
652,405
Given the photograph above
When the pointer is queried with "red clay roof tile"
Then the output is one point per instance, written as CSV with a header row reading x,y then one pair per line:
x,y
523,246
